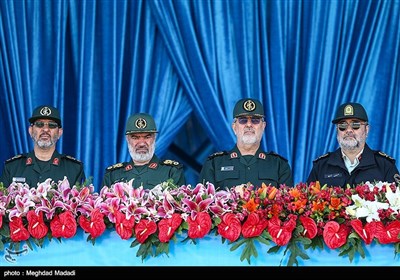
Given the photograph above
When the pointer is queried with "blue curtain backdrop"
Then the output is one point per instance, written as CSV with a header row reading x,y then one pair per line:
x,y
187,62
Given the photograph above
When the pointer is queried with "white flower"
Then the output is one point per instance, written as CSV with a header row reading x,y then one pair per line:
x,y
365,209
393,198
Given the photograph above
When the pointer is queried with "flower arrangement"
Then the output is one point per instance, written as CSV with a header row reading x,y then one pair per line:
x,y
294,219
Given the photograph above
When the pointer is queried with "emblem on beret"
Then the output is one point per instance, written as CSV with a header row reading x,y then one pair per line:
x,y
249,105
45,111
140,123
348,110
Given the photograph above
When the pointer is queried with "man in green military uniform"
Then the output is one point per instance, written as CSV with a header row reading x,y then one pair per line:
x,y
145,168
44,161
247,162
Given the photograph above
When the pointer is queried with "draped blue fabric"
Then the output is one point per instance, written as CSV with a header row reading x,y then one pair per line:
x,y
187,62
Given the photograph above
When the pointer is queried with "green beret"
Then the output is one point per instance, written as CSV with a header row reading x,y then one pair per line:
x,y
350,111
46,112
141,122
248,107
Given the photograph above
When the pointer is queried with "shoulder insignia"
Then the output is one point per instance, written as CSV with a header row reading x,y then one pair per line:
x,y
275,154
217,154
170,162
72,158
385,155
115,166
15,157
321,157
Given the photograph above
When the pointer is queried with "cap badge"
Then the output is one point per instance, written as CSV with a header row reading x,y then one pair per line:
x,y
249,105
45,111
348,110
140,123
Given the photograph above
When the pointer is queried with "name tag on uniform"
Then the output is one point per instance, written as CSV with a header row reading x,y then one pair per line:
x,y
18,179
226,168
334,175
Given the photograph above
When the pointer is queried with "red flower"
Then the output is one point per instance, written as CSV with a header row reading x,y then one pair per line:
x,y
94,225
36,226
1,221
389,233
310,227
335,235
281,233
17,230
63,225
123,226
230,227
366,233
144,229
167,227
199,226
253,226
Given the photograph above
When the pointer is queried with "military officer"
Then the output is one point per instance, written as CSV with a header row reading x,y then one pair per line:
x,y
44,161
246,162
354,162
145,168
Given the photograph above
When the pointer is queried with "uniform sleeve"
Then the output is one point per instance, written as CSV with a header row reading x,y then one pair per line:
x,y
286,175
5,177
207,173
106,180
179,177
313,176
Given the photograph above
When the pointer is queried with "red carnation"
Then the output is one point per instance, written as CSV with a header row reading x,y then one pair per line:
x,y
230,227
387,234
63,225
366,233
17,230
144,229
199,226
335,235
36,226
254,225
94,224
167,227
123,226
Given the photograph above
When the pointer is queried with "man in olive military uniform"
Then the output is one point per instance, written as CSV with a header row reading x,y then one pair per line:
x,y
353,162
247,162
43,161
145,168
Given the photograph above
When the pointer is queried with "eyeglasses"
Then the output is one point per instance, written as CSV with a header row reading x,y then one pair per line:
x,y
354,125
51,125
243,120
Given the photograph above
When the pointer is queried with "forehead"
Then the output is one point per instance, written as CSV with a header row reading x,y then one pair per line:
x,y
44,120
350,120
141,134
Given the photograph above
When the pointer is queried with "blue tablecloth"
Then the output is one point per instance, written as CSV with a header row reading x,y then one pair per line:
x,y
111,250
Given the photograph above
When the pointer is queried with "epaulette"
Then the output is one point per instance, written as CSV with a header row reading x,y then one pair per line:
x,y
15,157
115,166
170,162
217,154
277,155
72,158
382,154
321,157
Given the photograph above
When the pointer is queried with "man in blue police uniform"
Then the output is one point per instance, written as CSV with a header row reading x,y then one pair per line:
x,y
145,168
43,161
353,162
247,162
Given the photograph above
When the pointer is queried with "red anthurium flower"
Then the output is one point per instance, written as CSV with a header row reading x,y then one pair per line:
x,y
310,227
254,225
281,232
230,227
167,227
389,233
94,225
366,233
144,229
123,226
63,225
36,226
199,226
335,235
17,230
